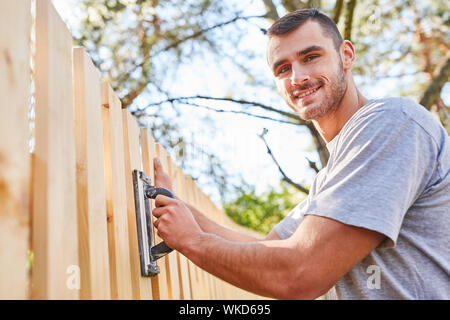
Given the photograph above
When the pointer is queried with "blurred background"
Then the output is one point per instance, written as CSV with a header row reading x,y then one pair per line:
x,y
195,73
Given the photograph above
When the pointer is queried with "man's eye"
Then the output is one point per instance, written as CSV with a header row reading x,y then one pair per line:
x,y
311,57
283,69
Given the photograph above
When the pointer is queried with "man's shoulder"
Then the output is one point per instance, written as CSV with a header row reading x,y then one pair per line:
x,y
385,120
393,106
400,112
377,114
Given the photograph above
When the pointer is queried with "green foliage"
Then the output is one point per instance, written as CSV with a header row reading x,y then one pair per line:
x,y
262,212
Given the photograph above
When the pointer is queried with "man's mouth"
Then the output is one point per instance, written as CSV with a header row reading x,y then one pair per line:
x,y
297,95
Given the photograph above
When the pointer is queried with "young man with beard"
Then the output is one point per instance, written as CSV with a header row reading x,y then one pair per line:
x,y
376,223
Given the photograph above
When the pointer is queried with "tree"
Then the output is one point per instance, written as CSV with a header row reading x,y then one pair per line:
x,y
149,40
262,212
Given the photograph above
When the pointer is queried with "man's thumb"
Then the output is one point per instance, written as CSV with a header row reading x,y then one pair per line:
x,y
157,163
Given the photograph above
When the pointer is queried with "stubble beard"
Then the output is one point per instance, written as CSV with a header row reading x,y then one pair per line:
x,y
331,101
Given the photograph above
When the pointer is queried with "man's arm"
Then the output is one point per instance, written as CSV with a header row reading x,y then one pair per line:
x,y
206,224
304,266
210,226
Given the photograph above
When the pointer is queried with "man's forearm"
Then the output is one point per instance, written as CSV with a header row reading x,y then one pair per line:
x,y
262,267
209,226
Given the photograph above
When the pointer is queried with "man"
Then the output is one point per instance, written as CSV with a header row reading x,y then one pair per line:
x,y
376,224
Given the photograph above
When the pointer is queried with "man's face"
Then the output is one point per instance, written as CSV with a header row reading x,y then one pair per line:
x,y
308,71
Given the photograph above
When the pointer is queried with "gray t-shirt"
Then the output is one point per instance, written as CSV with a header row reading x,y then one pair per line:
x,y
388,171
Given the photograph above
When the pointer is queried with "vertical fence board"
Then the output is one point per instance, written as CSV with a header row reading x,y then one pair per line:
x,y
159,285
14,156
224,286
184,262
92,229
170,259
142,286
54,200
183,275
200,274
175,280
201,206
185,195
216,281
116,205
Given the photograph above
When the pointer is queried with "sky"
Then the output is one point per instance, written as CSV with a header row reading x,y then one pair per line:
x,y
234,138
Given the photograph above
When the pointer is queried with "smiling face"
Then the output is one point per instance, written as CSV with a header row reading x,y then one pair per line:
x,y
308,71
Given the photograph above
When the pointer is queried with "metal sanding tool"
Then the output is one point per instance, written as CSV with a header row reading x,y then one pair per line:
x,y
148,251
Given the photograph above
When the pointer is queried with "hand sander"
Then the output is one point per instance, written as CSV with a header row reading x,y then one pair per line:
x,y
148,252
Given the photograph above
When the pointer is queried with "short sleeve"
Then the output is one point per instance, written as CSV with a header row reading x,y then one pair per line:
x,y
379,166
286,227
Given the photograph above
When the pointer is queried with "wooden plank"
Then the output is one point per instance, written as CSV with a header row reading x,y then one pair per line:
x,y
142,286
54,239
176,280
183,272
217,290
14,156
200,274
116,202
185,195
204,276
159,283
224,288
91,198
170,259
204,208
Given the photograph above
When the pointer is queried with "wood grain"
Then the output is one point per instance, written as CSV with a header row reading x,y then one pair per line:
x,y
91,197
14,156
116,202
54,240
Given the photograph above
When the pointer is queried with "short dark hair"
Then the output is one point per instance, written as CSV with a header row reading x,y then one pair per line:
x,y
295,19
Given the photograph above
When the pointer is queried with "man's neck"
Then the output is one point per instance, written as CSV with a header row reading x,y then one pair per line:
x,y
331,124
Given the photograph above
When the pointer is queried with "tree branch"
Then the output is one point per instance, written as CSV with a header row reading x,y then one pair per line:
x,y
292,5
337,10
179,41
349,19
433,91
140,112
200,32
271,11
239,101
285,177
317,138
312,165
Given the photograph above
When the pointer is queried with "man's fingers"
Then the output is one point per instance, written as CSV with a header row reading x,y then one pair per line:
x,y
157,212
162,200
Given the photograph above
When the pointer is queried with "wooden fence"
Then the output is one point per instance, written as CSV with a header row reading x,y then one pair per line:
x,y
67,214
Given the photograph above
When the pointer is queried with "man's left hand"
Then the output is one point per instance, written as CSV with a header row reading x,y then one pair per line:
x,y
175,223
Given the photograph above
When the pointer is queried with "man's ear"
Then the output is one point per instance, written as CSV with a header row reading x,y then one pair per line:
x,y
347,54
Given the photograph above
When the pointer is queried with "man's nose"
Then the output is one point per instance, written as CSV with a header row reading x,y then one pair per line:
x,y
298,75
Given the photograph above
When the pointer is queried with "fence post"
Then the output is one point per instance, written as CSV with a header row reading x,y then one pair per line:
x,y
92,232
142,286
54,241
14,156
116,202
160,287
186,197
200,274
170,259
183,272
